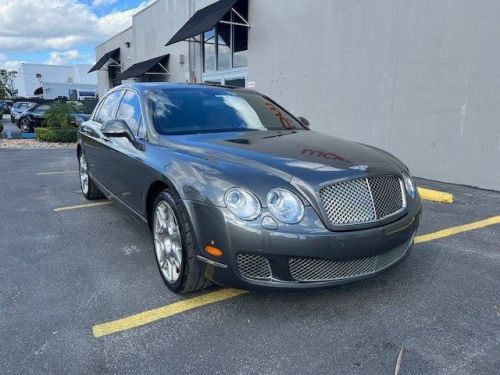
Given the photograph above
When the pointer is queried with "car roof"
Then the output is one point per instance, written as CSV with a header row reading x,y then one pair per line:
x,y
142,86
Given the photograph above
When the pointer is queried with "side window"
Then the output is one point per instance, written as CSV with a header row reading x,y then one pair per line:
x,y
107,109
96,110
130,111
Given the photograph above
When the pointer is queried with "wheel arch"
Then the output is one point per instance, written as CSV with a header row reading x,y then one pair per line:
x,y
155,188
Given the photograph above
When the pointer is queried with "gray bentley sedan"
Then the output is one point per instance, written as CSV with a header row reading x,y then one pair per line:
x,y
238,191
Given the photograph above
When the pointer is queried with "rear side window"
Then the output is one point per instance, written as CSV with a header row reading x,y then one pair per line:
x,y
108,107
41,108
130,111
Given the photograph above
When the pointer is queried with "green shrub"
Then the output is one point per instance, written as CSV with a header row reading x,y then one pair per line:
x,y
59,115
66,135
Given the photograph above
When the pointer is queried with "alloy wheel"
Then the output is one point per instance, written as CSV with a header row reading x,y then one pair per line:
x,y
25,126
84,174
168,242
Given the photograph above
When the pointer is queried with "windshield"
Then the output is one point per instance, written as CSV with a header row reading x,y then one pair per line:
x,y
23,105
185,111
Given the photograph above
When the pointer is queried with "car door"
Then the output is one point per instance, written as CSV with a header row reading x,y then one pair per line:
x,y
130,170
39,114
97,150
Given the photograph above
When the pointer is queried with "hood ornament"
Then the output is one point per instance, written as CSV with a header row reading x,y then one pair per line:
x,y
359,167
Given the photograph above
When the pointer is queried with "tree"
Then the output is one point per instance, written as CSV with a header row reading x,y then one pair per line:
x,y
6,83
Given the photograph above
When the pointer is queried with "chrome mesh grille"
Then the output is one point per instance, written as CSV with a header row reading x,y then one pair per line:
x,y
387,195
362,200
253,266
314,269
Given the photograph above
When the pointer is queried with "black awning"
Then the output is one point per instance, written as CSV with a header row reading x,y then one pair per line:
x,y
203,20
38,91
143,67
103,60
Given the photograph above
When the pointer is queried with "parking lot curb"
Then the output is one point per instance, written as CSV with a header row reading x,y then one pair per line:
x,y
435,195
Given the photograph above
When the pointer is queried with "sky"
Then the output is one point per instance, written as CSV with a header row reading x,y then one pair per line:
x,y
60,31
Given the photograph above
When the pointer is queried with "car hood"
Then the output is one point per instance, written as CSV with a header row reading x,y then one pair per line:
x,y
306,155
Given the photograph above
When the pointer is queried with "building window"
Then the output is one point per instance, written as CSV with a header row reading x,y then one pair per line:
x,y
114,71
38,75
209,51
223,46
226,46
240,35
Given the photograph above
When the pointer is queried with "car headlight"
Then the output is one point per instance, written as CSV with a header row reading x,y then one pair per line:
x,y
409,184
285,205
242,203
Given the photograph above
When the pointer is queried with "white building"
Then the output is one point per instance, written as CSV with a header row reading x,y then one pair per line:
x,y
52,81
420,79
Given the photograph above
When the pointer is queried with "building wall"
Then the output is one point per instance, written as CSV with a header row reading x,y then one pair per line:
x,y
54,90
418,78
81,75
153,27
126,57
150,31
26,81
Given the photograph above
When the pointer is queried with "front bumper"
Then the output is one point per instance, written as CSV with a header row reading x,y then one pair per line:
x,y
323,257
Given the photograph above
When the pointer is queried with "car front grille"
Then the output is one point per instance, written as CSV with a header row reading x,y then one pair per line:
x,y
314,269
363,200
253,266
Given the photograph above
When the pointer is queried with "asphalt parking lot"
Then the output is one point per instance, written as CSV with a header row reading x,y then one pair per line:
x,y
65,272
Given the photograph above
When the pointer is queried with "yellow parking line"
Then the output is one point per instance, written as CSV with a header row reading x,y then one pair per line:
x,y
163,312
60,172
87,205
149,316
459,229
435,195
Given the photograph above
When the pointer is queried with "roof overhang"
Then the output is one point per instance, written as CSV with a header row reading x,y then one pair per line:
x,y
113,55
157,65
206,19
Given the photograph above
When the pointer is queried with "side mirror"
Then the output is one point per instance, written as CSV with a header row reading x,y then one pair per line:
x,y
117,128
304,122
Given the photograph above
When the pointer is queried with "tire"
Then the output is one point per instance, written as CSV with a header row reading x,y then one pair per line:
x,y
89,188
24,125
188,275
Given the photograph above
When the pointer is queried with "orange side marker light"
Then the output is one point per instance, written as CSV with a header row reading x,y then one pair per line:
x,y
212,250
